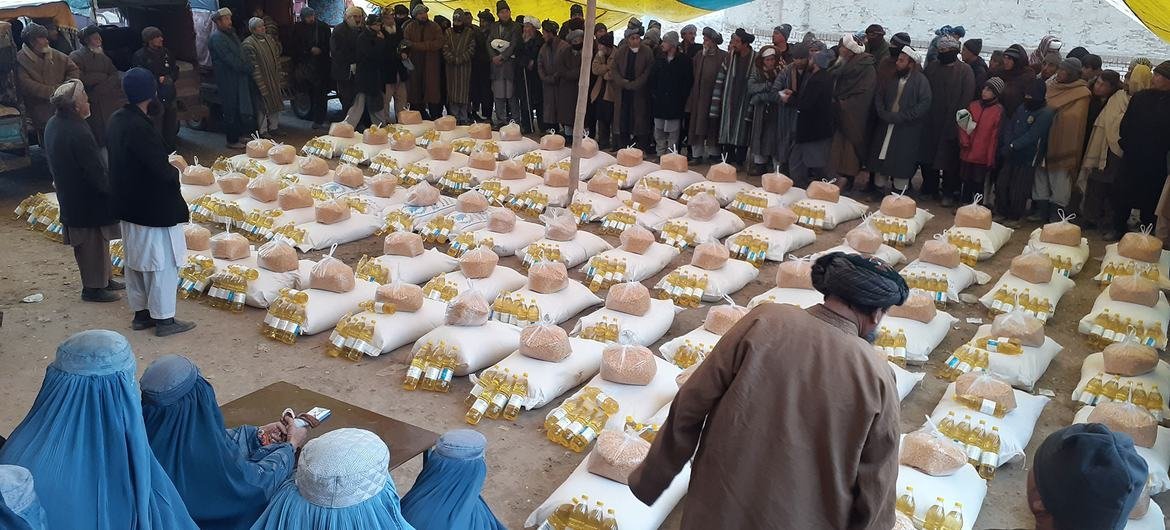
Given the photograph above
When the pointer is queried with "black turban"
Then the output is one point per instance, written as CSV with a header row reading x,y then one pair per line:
x,y
744,36
549,26
859,280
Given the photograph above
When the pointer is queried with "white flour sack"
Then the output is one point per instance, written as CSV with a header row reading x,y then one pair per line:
x,y
589,206
474,347
965,486
418,269
900,232
1156,380
319,236
690,348
373,333
1115,264
921,338
1044,296
670,183
606,325
447,286
525,306
724,192
572,253
1106,322
944,284
1157,457
548,380
687,231
684,283
324,308
890,255
638,401
978,244
1020,370
625,176
802,298
618,265
265,287
758,242
905,380
630,513
503,244
1068,260
1015,427
825,215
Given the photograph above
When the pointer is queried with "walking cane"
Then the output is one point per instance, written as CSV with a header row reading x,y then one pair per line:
x,y
531,110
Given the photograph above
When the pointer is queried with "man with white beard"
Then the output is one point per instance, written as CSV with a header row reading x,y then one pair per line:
x,y
102,83
40,70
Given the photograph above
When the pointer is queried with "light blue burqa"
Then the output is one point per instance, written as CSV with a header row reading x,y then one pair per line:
x,y
86,447
19,507
447,492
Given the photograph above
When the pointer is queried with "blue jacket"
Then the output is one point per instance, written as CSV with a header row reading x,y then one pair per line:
x,y
1024,139
233,73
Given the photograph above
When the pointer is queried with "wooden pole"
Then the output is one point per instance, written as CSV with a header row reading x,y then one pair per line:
x,y
582,99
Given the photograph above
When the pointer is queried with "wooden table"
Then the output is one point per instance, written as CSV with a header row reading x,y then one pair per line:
x,y
265,406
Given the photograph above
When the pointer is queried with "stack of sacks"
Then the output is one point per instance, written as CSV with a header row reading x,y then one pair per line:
x,y
233,187
978,397
1125,372
773,238
510,180
931,466
793,286
402,151
412,121
341,135
513,143
911,331
329,293
1013,348
383,192
1137,253
398,315
477,135
296,204
939,270
691,348
600,197
255,153
776,189
824,208
563,242
646,207
710,276
552,149
592,159
196,181
637,257
335,224
504,234
441,158
1062,242
629,311
549,295
865,239
672,177
470,335
704,221
444,129
481,166
975,234
1151,440
423,203
282,160
629,168
403,257
1032,283
471,214
721,182
554,191
311,171
553,361
351,177
1129,305
274,264
479,269
900,220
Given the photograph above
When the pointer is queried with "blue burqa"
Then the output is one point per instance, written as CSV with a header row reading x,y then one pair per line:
x,y
224,476
447,492
86,447
19,507
342,483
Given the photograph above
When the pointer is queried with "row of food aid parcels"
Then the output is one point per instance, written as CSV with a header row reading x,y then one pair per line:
x,y
398,311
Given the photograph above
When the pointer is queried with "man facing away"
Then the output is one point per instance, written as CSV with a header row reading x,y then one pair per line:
x,y
795,419
1085,476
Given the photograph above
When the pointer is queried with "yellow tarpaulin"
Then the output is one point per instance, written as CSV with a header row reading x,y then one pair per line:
x,y
612,13
1154,14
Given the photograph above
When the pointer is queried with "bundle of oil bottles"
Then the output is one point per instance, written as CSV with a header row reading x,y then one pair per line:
x,y
496,394
578,421
579,515
937,517
432,368
1097,391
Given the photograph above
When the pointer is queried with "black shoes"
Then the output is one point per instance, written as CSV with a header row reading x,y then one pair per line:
x,y
141,320
99,295
115,285
169,326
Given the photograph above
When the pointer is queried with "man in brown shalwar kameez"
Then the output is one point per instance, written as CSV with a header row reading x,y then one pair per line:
x,y
794,417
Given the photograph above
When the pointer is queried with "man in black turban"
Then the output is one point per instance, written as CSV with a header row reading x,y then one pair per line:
x,y
798,416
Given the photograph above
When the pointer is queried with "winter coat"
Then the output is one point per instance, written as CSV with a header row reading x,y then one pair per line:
x,y
670,84
458,50
233,73
568,63
509,31
852,99
951,88
37,77
1066,139
145,186
1144,170
550,76
310,69
979,146
635,87
894,149
160,63
979,70
1024,140
1106,135
343,51
370,78
526,53
392,68
1015,82
600,71
264,54
814,108
787,112
79,174
705,69
103,85
729,99
762,99
426,43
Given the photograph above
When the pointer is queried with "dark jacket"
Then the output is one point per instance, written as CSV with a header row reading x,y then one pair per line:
x,y
979,68
901,154
160,63
394,70
1024,138
343,51
670,84
145,184
233,72
371,67
310,68
1144,170
814,108
79,175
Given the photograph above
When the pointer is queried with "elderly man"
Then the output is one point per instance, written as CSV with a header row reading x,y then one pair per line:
x,y
703,132
629,70
103,86
952,84
40,70
1085,476
550,75
155,57
458,51
503,38
426,45
853,98
729,101
88,212
310,49
568,64
825,455
262,50
233,78
343,54
903,105
670,84
1069,96
151,209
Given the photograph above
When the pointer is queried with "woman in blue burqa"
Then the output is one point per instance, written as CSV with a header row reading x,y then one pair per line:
x,y
446,493
342,483
20,509
225,476
85,445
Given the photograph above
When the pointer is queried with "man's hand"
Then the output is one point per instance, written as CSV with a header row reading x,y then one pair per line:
x,y
297,435
162,79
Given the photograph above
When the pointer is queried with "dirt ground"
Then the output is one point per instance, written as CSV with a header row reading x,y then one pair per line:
x,y
523,467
